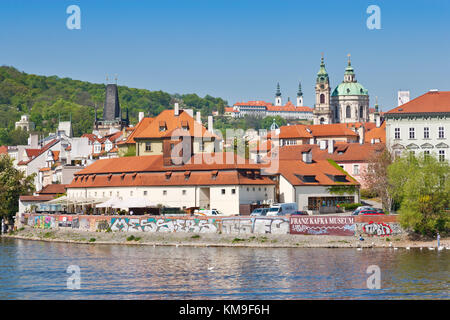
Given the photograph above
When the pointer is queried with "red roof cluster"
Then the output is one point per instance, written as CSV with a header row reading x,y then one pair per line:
x,y
430,102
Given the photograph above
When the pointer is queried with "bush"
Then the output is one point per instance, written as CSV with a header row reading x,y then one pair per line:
x,y
368,194
92,240
130,238
349,206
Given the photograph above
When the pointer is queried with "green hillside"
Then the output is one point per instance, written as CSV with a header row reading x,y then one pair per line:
x,y
48,99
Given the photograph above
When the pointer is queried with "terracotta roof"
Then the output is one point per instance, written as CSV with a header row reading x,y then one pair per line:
x,y
44,169
332,130
55,155
92,137
39,198
53,189
32,153
319,173
179,178
342,152
295,131
171,122
430,102
3,149
376,133
154,163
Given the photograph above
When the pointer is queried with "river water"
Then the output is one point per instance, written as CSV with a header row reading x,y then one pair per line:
x,y
38,270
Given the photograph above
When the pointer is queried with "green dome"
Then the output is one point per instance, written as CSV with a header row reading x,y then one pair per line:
x,y
350,89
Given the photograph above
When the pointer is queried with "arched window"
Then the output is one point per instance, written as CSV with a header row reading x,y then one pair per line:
x,y
361,112
322,98
348,112
322,120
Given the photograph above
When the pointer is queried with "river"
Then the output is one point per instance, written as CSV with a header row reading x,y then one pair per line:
x,y
38,270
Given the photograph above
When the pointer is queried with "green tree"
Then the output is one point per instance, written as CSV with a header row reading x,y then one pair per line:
x,y
13,183
422,187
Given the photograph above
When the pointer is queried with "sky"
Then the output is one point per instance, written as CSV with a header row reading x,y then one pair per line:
x,y
234,49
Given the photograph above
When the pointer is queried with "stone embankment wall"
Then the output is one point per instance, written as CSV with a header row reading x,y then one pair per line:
x,y
325,225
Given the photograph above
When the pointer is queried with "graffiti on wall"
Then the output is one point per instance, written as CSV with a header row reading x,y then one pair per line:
x,y
64,222
316,225
381,228
163,225
255,225
42,222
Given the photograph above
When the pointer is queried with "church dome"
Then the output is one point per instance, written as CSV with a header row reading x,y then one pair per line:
x,y
350,89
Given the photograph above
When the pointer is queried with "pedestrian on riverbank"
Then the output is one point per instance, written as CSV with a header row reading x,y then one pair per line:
x,y
438,240
361,238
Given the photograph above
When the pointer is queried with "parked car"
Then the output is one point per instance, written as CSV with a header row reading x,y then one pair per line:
x,y
371,212
281,209
300,213
359,209
259,212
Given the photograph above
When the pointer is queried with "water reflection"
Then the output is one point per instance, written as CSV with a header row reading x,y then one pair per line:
x,y
37,270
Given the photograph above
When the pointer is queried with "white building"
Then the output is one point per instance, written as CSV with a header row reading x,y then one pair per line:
x,y
421,125
219,185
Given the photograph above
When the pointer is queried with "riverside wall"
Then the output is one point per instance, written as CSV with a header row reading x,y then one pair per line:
x,y
377,226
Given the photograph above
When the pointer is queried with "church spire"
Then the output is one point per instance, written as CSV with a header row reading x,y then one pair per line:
x,y
299,95
322,75
278,96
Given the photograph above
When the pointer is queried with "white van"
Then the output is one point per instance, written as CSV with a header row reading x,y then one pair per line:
x,y
205,212
281,209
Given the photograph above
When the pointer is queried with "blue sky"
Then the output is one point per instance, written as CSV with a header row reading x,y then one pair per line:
x,y
237,50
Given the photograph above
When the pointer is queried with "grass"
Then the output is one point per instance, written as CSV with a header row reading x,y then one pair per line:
x,y
49,235
195,236
92,240
237,240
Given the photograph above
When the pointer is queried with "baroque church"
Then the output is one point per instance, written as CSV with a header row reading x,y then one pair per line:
x,y
348,102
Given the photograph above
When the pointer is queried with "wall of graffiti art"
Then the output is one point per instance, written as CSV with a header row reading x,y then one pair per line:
x,y
307,225
255,225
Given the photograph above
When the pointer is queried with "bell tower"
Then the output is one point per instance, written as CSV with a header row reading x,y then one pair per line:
x,y
322,111
278,96
299,95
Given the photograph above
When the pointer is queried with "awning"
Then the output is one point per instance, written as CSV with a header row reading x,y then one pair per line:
x,y
134,203
109,203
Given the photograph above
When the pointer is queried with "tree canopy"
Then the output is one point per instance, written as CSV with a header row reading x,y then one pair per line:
x,y
13,183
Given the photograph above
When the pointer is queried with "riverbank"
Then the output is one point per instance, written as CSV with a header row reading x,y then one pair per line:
x,y
219,240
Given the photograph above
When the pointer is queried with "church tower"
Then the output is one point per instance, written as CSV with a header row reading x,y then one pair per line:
x,y
278,102
299,95
322,112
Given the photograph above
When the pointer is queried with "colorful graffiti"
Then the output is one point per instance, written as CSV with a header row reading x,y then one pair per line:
x,y
64,222
164,225
330,225
377,229
255,225
43,222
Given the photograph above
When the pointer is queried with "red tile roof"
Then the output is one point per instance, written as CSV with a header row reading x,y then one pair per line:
x,y
171,122
3,149
376,133
321,173
342,152
137,130
39,198
53,189
430,102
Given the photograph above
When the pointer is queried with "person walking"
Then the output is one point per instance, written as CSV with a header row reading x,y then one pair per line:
x,y
438,240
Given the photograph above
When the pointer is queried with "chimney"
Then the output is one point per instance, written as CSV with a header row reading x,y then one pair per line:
x,y
361,135
331,146
307,157
141,116
33,141
199,117
176,109
210,124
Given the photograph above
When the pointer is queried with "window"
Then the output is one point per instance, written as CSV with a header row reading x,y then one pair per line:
x,y
117,193
322,98
131,193
397,133
164,192
233,191
348,112
148,146
442,155
426,154
223,191
361,112
95,193
184,192
411,133
441,132
145,193
201,146
110,193
253,188
426,133
356,169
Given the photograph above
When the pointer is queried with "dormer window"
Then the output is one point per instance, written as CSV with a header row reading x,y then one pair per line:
x,y
184,125
162,126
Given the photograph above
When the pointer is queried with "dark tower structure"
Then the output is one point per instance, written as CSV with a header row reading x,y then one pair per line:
x,y
112,114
